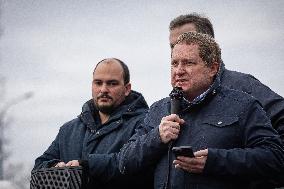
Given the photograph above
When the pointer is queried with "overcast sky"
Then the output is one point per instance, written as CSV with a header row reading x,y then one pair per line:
x,y
51,47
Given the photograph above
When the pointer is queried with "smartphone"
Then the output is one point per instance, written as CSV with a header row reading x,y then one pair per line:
x,y
183,151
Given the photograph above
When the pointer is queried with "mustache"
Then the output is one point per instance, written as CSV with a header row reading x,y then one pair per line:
x,y
104,96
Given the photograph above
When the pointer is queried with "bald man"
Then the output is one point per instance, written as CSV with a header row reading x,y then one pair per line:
x,y
107,121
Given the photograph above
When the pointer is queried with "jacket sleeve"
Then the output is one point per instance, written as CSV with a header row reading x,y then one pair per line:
x,y
272,103
50,157
261,156
105,167
145,148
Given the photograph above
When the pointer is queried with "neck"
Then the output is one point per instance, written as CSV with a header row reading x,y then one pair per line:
x,y
197,95
104,117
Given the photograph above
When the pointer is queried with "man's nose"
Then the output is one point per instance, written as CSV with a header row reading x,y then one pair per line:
x,y
180,69
104,88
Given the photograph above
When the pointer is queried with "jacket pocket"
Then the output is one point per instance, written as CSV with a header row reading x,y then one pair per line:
x,y
220,121
219,131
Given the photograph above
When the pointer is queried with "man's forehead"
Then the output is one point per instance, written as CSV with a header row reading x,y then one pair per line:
x,y
176,32
185,49
108,71
108,75
189,27
107,78
183,45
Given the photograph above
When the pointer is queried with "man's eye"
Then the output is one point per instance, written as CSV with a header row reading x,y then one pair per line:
x,y
188,63
174,64
113,83
98,82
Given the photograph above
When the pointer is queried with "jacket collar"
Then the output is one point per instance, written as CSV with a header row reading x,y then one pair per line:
x,y
212,90
221,69
134,104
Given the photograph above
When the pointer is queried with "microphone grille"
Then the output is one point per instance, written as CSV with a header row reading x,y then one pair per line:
x,y
176,93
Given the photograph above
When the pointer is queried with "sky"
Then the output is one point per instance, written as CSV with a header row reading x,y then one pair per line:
x,y
50,48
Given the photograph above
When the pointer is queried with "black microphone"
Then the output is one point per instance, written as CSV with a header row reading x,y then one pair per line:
x,y
176,96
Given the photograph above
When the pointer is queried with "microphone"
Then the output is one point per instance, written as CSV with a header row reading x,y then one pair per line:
x,y
176,96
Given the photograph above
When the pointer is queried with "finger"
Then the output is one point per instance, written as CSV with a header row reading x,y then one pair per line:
x,y
197,164
75,163
172,118
175,118
182,162
181,165
168,125
177,166
170,135
165,125
60,164
69,163
173,130
193,163
169,117
169,128
201,153
187,167
175,125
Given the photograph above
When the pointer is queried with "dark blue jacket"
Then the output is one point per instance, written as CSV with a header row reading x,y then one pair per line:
x,y
84,138
242,144
271,102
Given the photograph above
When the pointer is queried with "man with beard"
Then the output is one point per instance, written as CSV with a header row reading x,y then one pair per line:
x,y
107,122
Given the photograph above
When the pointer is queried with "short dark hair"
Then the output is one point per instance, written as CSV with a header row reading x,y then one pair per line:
x,y
126,74
209,50
202,23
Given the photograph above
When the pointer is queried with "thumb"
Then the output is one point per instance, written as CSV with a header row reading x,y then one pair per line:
x,y
178,119
181,121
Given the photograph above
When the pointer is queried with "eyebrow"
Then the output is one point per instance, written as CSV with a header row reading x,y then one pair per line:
x,y
111,80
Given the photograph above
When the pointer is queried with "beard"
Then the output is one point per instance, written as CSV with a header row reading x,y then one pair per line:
x,y
106,109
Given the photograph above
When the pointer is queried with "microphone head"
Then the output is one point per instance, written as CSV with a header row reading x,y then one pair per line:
x,y
176,95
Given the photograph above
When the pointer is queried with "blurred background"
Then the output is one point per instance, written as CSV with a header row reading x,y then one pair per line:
x,y
48,50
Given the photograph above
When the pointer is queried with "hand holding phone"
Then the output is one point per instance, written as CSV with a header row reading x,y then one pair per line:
x,y
183,151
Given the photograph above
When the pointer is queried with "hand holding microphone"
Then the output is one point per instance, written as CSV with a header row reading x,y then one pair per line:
x,y
169,127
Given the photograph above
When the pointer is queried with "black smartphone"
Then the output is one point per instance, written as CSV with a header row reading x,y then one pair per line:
x,y
183,151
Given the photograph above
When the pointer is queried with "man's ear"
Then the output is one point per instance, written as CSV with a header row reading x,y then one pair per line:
x,y
128,89
214,69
